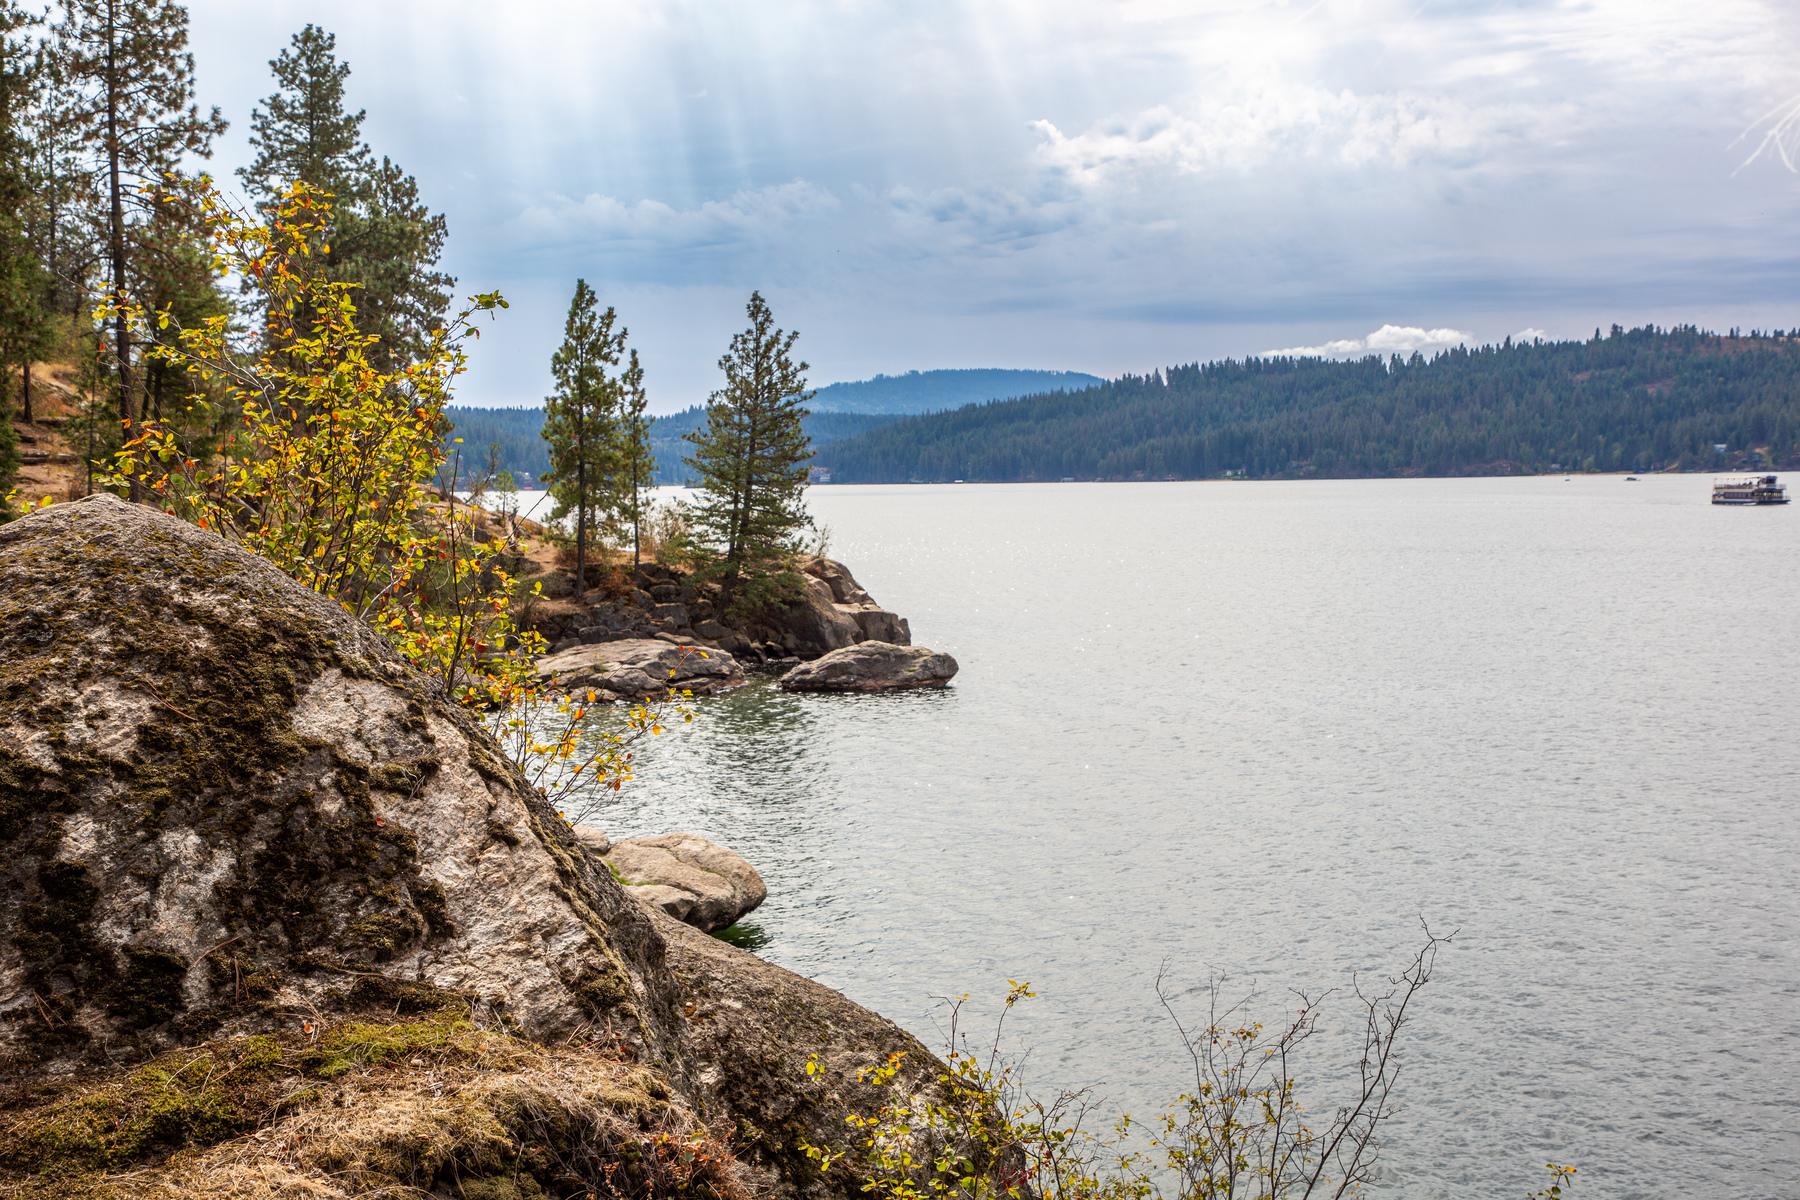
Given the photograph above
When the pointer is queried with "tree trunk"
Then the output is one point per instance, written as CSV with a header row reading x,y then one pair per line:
x,y
25,389
637,505
121,327
580,531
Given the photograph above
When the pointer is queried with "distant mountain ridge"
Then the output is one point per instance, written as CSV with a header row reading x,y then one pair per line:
x,y
1644,399
839,410
523,451
935,391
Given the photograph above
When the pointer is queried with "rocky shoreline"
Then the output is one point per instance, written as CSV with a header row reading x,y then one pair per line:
x,y
661,602
666,632
284,921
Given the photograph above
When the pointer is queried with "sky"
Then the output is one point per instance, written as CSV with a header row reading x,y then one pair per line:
x,y
1106,186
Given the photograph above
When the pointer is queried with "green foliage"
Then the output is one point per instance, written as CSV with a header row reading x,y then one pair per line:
x,y
381,238
1633,400
326,479
131,108
635,468
751,461
520,433
581,419
981,1137
27,328
1559,1178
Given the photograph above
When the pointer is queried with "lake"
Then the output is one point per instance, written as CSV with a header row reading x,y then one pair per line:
x,y
1260,730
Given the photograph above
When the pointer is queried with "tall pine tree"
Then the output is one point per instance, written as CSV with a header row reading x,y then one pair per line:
x,y
751,458
635,461
382,238
133,76
580,419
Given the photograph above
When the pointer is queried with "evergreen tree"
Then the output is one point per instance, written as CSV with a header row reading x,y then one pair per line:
x,y
303,134
579,419
635,459
382,238
62,192
133,76
751,458
26,328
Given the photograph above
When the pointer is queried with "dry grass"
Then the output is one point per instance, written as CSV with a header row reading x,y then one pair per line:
x,y
435,1107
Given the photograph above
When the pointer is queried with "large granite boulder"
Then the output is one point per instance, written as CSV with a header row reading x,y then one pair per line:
x,y
693,880
219,792
638,668
243,840
872,667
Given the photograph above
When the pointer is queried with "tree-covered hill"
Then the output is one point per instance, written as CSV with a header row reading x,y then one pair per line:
x,y
1639,400
934,391
523,452
668,436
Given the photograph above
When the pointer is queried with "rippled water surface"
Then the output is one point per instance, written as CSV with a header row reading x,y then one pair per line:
x,y
1260,729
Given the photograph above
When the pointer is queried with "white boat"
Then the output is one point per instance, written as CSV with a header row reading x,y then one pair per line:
x,y
1756,489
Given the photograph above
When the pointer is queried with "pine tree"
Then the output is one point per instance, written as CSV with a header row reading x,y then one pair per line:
x,y
26,328
382,238
751,459
134,77
303,134
579,420
635,461
62,191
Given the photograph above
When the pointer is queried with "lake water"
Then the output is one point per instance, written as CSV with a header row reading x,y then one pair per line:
x,y
1261,729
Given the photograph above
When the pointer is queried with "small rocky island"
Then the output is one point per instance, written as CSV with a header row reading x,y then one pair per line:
x,y
281,920
665,631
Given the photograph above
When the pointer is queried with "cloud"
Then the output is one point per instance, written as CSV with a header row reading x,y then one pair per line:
x,y
981,220
746,219
1529,335
1278,121
1389,339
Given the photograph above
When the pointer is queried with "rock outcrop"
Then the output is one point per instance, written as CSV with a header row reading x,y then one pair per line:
x,y
836,612
832,611
689,878
249,849
872,667
639,668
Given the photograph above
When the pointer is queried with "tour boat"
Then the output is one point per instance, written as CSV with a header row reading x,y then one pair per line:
x,y
1758,489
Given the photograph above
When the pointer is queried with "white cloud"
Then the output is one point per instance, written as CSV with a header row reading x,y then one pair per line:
x,y
607,223
1529,335
1278,121
1389,339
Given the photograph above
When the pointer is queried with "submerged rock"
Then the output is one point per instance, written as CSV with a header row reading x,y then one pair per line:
x,y
872,667
639,668
238,830
693,880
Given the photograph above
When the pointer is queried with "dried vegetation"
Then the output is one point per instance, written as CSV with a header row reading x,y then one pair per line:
x,y
433,1107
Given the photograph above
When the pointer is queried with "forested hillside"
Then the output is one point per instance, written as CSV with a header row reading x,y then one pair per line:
x,y
934,391
523,451
668,436
1643,399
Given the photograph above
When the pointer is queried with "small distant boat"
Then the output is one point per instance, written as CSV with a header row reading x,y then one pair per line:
x,y
1757,489
1631,479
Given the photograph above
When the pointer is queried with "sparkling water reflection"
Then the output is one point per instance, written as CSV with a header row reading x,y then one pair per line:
x,y
1261,729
